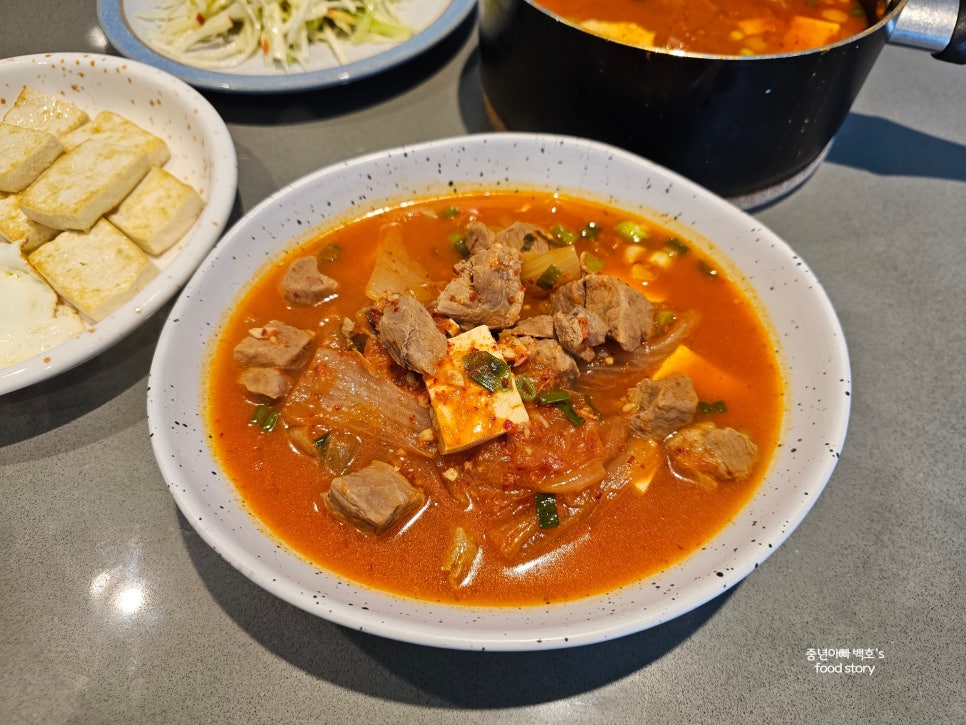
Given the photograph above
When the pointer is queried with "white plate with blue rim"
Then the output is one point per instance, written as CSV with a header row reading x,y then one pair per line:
x,y
202,155
806,335
131,28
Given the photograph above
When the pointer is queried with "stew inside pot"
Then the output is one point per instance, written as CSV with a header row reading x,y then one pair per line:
x,y
720,27
501,399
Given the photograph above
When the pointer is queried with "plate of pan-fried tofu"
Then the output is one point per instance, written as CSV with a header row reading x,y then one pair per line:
x,y
116,180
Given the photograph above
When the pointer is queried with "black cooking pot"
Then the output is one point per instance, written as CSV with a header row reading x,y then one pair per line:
x,y
747,127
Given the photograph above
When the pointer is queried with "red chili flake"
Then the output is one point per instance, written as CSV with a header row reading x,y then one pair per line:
x,y
200,19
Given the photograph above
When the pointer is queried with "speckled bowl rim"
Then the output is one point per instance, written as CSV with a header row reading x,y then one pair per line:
x,y
202,154
806,333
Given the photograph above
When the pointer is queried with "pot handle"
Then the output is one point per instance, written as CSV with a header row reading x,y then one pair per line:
x,y
937,25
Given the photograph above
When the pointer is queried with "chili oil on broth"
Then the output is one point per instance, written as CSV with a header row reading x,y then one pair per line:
x,y
638,535
719,27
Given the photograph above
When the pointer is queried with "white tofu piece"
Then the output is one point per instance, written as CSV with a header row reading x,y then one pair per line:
x,y
42,112
24,153
113,128
18,228
84,184
465,413
158,212
95,271
33,319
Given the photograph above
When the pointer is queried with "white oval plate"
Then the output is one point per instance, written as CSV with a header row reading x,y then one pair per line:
x,y
202,155
129,31
806,331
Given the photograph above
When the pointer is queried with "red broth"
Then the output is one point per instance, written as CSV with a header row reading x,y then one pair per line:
x,y
637,535
719,27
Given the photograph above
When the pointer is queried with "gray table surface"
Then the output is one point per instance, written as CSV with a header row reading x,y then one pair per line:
x,y
878,563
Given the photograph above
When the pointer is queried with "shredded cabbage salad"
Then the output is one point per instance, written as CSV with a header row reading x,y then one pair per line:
x,y
225,33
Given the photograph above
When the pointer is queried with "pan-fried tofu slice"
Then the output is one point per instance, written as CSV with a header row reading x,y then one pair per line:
x,y
158,212
95,271
24,153
112,128
84,184
17,228
42,112
466,413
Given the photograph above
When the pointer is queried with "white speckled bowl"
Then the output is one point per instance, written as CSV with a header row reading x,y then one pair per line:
x,y
806,332
202,155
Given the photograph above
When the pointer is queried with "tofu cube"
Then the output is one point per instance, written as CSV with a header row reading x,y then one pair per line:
x,y
715,383
84,184
465,413
158,212
42,112
95,271
17,228
24,153
113,128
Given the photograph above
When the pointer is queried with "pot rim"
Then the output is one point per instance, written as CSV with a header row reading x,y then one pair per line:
x,y
889,19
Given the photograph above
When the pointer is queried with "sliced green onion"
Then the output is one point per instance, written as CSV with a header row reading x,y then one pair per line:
x,y
663,319
570,414
265,417
528,240
677,246
525,387
449,212
322,443
590,231
706,269
488,370
717,406
459,244
594,264
563,236
330,253
593,408
552,397
547,515
549,277
631,231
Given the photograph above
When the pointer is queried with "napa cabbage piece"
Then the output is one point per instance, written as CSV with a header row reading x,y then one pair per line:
x,y
396,271
339,391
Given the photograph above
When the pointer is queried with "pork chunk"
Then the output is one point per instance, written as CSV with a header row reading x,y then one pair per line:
x,y
537,326
275,345
660,407
628,314
304,284
407,331
524,237
373,498
267,382
486,291
545,362
580,331
477,237
711,454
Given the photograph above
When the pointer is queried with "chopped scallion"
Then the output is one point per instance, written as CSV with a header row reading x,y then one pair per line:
x,y
546,504
563,236
552,397
631,231
677,246
487,369
590,231
594,264
449,212
549,277
528,240
322,442
330,253
264,416
525,387
706,269
717,406
459,244
570,414
663,319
